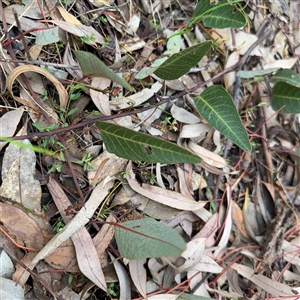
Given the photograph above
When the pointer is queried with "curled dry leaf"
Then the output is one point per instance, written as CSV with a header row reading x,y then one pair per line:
x,y
210,158
62,93
135,99
184,116
101,100
138,275
124,280
112,167
166,197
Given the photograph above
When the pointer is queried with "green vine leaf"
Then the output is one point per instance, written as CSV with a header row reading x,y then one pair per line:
x,y
180,63
288,76
217,108
147,238
221,15
127,143
92,66
286,95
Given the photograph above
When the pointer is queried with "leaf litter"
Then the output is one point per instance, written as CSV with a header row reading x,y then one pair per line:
x,y
139,217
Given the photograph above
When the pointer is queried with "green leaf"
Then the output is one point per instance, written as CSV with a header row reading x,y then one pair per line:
x,y
185,296
288,76
48,36
146,238
93,66
251,74
180,63
297,157
224,16
133,145
217,108
202,7
286,95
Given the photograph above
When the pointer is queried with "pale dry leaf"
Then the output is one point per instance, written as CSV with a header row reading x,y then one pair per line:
x,y
227,226
101,100
184,174
282,63
226,295
81,31
291,251
62,93
103,238
182,115
197,132
18,179
238,219
138,275
68,59
9,122
68,17
233,281
207,264
10,290
26,24
149,207
192,254
133,24
81,218
156,269
209,229
135,99
132,44
28,9
163,296
210,158
151,115
196,277
229,78
166,197
124,280
24,229
87,258
243,41
274,288
114,166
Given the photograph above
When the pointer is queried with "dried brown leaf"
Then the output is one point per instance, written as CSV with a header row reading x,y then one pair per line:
x,y
274,288
138,275
166,197
62,93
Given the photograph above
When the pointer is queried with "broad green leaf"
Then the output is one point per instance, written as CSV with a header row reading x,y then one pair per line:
x,y
224,16
286,95
185,296
93,66
202,7
127,143
180,63
251,74
217,108
288,76
48,36
297,157
146,238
